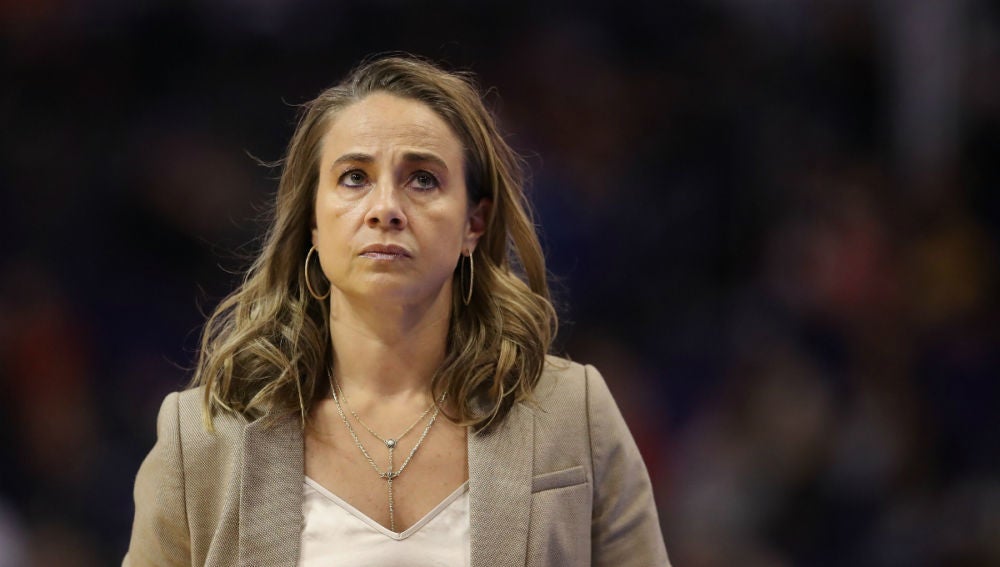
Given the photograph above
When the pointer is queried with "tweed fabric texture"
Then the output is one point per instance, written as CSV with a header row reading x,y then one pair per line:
x,y
559,483
280,452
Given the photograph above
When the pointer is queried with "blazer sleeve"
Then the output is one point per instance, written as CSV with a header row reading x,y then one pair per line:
x,y
625,527
160,535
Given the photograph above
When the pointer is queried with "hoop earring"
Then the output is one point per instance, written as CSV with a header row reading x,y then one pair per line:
x,y
312,292
467,297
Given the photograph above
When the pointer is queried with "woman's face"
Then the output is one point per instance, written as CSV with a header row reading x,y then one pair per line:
x,y
392,212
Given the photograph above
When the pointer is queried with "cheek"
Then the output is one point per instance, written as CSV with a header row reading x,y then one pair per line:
x,y
450,230
328,203
332,236
333,215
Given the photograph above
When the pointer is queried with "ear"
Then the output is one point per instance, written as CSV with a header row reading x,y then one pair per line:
x,y
315,237
476,225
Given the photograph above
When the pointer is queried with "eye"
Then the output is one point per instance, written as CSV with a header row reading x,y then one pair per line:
x,y
424,181
353,178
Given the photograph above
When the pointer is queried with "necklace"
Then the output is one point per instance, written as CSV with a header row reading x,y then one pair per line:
x,y
391,442
389,474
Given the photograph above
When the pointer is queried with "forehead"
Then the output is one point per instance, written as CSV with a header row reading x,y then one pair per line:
x,y
382,121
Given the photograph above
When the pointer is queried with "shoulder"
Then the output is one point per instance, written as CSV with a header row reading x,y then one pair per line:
x,y
207,456
184,485
181,418
566,397
572,400
190,408
560,373
566,384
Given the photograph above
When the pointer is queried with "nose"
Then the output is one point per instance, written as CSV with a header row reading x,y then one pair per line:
x,y
386,210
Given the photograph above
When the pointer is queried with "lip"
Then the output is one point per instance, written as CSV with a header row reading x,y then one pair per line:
x,y
385,252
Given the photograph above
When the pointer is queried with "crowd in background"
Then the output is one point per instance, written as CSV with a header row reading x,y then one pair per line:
x,y
773,226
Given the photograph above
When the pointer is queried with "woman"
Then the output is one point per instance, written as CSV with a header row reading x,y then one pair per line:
x,y
377,392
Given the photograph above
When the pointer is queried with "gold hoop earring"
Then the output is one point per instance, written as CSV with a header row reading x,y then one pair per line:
x,y
467,297
312,292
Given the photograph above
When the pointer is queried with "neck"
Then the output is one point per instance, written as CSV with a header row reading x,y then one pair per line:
x,y
388,351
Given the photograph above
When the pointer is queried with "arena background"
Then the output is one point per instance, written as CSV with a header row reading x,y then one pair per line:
x,y
773,225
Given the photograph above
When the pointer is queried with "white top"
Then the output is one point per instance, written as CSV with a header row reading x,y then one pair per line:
x,y
336,534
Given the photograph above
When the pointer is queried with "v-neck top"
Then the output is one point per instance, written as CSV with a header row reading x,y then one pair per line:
x,y
336,534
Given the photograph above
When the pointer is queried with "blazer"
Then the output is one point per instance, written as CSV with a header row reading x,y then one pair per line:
x,y
559,482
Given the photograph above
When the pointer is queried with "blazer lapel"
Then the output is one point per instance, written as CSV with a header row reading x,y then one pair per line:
x,y
270,518
500,472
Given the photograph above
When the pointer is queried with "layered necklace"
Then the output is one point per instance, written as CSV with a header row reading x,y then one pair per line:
x,y
389,474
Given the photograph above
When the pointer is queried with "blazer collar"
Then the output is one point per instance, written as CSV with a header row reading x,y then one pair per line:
x,y
500,472
272,471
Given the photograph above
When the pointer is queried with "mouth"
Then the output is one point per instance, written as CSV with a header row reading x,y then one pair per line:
x,y
385,252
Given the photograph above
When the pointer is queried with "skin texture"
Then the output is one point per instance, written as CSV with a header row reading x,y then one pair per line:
x,y
391,176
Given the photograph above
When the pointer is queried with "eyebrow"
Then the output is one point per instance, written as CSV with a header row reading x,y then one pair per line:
x,y
355,157
409,157
418,157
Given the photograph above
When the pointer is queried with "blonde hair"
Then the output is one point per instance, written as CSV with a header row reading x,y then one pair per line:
x,y
266,350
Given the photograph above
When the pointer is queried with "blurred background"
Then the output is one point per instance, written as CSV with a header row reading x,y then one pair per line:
x,y
773,225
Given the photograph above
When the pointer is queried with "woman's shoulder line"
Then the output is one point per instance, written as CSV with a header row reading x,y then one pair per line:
x,y
190,408
561,369
562,382
556,364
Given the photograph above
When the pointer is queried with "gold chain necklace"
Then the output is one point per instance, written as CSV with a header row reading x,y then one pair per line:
x,y
388,474
391,442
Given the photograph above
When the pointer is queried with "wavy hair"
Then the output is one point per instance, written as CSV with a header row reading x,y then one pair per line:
x,y
266,349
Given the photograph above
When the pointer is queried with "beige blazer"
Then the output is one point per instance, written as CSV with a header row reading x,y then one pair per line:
x,y
560,482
